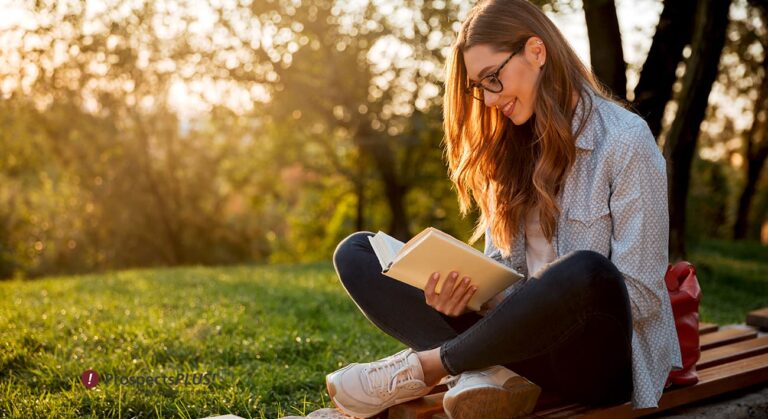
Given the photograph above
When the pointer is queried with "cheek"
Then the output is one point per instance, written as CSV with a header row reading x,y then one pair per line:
x,y
529,86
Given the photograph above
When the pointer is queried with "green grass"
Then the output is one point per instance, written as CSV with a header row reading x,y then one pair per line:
x,y
271,333
733,278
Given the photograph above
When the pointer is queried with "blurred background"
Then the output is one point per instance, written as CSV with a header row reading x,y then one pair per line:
x,y
159,133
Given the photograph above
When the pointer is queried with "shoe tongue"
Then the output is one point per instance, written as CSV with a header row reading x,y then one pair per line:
x,y
418,372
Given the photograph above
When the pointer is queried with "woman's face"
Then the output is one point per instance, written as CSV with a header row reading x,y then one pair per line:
x,y
518,77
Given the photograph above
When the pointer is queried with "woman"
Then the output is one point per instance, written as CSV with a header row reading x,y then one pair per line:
x,y
572,193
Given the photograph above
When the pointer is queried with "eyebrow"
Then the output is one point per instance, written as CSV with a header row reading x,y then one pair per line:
x,y
483,71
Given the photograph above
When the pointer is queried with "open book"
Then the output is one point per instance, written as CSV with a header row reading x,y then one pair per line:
x,y
435,251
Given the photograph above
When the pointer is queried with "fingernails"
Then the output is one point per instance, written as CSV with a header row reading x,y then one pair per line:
x,y
435,275
454,275
465,280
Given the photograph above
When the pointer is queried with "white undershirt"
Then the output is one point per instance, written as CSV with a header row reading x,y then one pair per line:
x,y
538,250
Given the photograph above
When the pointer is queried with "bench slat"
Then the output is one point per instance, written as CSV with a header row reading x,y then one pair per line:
x,y
732,352
713,381
735,350
725,337
705,328
423,408
758,318
551,407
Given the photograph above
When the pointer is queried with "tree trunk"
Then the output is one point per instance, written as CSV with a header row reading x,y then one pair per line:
x,y
757,151
360,192
654,89
755,162
701,71
757,144
382,155
605,45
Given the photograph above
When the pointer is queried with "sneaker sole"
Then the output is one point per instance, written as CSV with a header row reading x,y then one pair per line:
x,y
332,393
331,388
516,398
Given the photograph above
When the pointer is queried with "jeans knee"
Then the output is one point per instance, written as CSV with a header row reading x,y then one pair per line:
x,y
349,245
351,242
590,257
595,265
593,270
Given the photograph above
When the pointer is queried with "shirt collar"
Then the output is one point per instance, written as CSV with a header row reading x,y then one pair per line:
x,y
585,140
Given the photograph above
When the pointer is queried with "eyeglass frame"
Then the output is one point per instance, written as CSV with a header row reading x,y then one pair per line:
x,y
478,84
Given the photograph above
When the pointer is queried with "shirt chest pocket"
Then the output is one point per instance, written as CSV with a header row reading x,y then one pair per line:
x,y
588,213
589,226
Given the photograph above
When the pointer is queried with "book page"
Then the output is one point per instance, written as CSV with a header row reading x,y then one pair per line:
x,y
392,243
385,247
415,239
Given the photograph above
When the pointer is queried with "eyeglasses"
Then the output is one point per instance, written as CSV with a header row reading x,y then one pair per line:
x,y
491,81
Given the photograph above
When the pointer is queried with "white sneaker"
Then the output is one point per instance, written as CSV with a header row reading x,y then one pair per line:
x,y
490,393
363,390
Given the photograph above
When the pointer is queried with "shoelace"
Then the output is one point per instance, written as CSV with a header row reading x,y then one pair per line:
x,y
388,372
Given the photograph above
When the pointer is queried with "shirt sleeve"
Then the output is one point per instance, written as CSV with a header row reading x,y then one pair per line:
x,y
638,204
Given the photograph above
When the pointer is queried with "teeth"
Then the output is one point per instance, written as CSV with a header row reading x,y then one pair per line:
x,y
508,106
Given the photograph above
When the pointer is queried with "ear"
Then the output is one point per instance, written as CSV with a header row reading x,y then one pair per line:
x,y
535,51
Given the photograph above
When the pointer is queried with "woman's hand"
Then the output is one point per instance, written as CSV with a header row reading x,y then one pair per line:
x,y
452,300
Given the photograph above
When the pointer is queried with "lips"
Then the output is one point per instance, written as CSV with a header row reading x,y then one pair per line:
x,y
509,108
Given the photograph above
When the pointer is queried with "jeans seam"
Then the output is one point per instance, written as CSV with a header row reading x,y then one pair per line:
x,y
445,362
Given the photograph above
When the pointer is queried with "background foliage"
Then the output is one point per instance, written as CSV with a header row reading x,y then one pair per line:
x,y
140,133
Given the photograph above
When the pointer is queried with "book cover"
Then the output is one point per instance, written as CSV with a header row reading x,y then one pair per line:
x,y
435,251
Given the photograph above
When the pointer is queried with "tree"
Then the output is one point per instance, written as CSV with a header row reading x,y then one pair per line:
x,y
606,52
654,88
701,71
757,137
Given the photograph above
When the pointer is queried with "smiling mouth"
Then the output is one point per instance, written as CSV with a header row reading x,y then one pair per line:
x,y
509,107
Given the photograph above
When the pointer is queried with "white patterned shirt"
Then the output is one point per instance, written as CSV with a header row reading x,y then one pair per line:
x,y
538,250
614,201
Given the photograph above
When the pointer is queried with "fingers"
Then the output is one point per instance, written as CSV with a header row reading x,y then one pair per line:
x,y
435,299
458,292
462,304
461,297
453,298
429,289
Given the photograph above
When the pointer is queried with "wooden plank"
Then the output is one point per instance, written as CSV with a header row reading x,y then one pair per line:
x,y
732,352
758,318
725,337
423,408
564,411
720,348
713,381
705,328
712,357
548,400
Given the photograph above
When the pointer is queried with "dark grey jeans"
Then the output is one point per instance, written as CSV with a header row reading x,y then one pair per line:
x,y
569,330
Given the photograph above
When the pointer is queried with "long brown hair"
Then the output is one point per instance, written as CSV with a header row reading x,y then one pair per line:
x,y
510,169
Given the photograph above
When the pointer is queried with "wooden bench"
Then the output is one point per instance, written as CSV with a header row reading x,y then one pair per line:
x,y
731,359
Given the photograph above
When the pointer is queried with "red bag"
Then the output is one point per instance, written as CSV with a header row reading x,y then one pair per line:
x,y
685,295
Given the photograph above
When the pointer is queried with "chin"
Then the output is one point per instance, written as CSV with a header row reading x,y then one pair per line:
x,y
520,119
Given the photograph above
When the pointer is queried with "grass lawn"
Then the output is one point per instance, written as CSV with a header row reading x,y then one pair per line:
x,y
264,336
